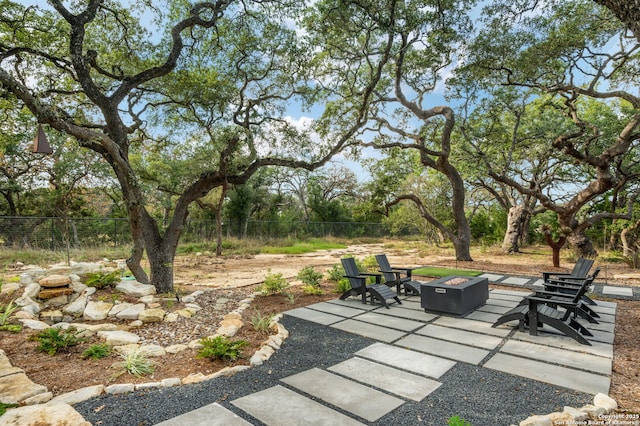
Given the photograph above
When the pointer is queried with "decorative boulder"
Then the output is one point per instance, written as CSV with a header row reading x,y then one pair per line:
x,y
135,289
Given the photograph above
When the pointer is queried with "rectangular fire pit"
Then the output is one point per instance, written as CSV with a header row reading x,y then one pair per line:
x,y
454,294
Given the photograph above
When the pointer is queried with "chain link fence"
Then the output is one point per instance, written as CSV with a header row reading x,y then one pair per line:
x,y
51,233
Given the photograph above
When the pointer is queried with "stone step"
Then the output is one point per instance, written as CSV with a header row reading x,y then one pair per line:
x,y
405,359
278,406
469,338
392,380
445,349
372,331
209,415
361,400
553,374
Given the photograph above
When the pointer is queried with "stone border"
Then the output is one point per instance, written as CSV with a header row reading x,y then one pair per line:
x,y
600,412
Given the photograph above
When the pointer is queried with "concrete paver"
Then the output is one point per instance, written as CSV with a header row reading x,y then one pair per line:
x,y
354,304
515,281
373,331
456,335
494,309
363,401
315,316
564,342
415,362
492,277
617,291
445,349
592,363
209,415
483,316
549,373
413,314
291,406
392,380
332,308
380,318
471,325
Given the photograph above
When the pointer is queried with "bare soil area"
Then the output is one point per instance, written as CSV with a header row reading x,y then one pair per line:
x,y
227,280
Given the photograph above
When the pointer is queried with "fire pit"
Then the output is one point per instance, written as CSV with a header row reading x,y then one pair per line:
x,y
454,294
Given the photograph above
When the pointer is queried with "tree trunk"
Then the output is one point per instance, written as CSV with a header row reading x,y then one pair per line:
x,y
582,244
462,249
513,235
555,246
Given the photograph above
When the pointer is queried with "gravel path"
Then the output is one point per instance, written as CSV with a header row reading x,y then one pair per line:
x,y
481,396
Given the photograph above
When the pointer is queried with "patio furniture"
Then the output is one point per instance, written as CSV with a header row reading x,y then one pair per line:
x,y
570,284
580,270
541,308
393,276
575,289
359,287
454,294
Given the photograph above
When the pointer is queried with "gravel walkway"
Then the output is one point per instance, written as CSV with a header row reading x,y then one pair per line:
x,y
479,395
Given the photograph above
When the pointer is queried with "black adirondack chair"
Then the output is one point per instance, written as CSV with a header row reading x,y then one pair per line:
x,y
570,283
394,276
542,308
358,281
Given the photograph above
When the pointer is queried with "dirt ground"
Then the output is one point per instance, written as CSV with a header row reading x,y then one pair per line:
x,y
227,280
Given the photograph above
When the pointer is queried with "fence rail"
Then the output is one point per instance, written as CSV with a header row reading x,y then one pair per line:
x,y
52,233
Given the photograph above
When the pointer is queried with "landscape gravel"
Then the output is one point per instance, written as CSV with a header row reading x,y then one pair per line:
x,y
479,395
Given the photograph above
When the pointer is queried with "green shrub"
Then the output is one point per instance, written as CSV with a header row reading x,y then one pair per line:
x,y
136,363
6,311
312,289
101,279
457,421
97,351
54,339
261,322
336,273
273,284
11,328
343,285
221,347
291,298
308,275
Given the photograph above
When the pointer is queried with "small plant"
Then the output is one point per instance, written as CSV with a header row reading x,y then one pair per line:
x,y
310,276
336,273
221,347
343,285
101,279
312,289
97,351
261,322
457,421
11,328
54,339
136,363
291,298
7,311
273,284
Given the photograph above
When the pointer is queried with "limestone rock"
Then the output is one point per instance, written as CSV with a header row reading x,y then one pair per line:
x,y
135,289
76,308
605,401
171,382
34,324
174,349
194,378
31,291
60,269
171,317
78,287
186,313
54,281
118,337
51,316
120,388
79,395
26,279
10,288
50,293
537,421
152,315
24,315
149,385
44,414
15,386
41,398
229,327
131,312
575,414
153,350
96,310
